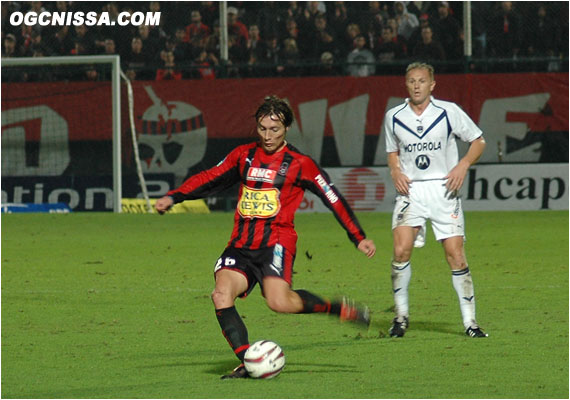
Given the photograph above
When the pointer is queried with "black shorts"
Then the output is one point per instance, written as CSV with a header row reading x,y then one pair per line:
x,y
256,264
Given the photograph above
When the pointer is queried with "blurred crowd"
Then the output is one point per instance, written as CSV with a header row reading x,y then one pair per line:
x,y
283,39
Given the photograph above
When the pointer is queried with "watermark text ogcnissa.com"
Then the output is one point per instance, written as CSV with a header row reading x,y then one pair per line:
x,y
90,18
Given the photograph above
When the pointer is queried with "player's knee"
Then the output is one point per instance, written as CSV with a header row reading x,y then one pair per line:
x,y
402,253
456,261
279,304
221,298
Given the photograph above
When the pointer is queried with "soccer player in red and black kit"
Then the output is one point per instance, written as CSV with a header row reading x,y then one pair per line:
x,y
273,176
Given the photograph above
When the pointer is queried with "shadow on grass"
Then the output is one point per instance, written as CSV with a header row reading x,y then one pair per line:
x,y
223,367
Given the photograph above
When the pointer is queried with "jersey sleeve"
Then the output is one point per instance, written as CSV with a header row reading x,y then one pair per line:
x,y
392,144
316,180
210,181
462,126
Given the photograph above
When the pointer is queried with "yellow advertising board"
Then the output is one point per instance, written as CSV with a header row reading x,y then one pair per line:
x,y
138,206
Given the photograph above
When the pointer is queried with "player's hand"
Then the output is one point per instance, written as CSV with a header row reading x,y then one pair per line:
x,y
456,177
163,204
368,247
401,183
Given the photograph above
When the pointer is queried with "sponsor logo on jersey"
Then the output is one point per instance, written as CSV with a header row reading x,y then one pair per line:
x,y
259,203
333,198
422,161
260,175
422,146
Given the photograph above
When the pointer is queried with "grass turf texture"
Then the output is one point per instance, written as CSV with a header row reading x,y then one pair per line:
x,y
117,306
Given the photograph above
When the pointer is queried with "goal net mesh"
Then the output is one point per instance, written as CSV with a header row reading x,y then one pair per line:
x,y
57,137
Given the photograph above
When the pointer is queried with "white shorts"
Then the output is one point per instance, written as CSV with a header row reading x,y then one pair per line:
x,y
430,200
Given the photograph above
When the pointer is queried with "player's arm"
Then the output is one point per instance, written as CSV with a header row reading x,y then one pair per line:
x,y
317,181
456,176
203,184
401,181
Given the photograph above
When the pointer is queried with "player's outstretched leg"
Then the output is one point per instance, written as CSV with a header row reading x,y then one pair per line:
x,y
346,309
350,311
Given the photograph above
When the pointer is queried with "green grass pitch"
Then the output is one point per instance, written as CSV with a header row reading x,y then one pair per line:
x,y
117,306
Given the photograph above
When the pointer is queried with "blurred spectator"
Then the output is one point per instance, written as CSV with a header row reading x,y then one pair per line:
x,y
504,38
289,59
25,40
255,46
389,50
327,66
541,34
86,39
323,39
271,57
157,32
81,47
209,12
429,49
416,36
63,43
338,18
419,8
373,20
310,12
110,47
197,31
236,27
9,49
91,74
38,44
168,71
294,11
150,44
269,19
136,61
202,68
361,61
182,49
213,43
447,30
407,22
393,22
352,31
237,55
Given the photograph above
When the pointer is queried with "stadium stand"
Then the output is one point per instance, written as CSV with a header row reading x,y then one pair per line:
x,y
294,38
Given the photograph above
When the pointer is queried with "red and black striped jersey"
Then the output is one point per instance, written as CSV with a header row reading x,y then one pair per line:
x,y
271,189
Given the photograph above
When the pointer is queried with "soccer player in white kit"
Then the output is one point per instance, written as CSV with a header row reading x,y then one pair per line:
x,y
427,174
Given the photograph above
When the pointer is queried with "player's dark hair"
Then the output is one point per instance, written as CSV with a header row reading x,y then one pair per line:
x,y
280,108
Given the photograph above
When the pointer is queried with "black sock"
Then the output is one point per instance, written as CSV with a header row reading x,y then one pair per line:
x,y
234,330
315,304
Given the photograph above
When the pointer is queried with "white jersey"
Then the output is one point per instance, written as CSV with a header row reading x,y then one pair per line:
x,y
426,142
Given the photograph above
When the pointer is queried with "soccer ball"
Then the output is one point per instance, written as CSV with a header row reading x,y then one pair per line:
x,y
264,359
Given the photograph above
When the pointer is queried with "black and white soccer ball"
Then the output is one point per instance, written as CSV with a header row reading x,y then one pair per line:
x,y
264,359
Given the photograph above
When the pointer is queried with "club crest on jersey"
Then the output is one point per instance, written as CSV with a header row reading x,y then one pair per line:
x,y
420,129
261,175
259,203
422,161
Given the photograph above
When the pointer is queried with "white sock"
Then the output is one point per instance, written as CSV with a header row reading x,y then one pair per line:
x,y
463,285
401,274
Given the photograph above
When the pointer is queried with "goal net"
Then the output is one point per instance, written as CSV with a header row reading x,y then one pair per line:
x,y
68,133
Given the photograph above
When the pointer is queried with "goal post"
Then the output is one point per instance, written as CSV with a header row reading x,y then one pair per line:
x,y
114,61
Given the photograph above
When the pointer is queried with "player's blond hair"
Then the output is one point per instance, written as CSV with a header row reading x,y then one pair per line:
x,y
421,65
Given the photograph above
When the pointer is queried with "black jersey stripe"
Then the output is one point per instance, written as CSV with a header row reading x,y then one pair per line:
x,y
253,222
278,184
